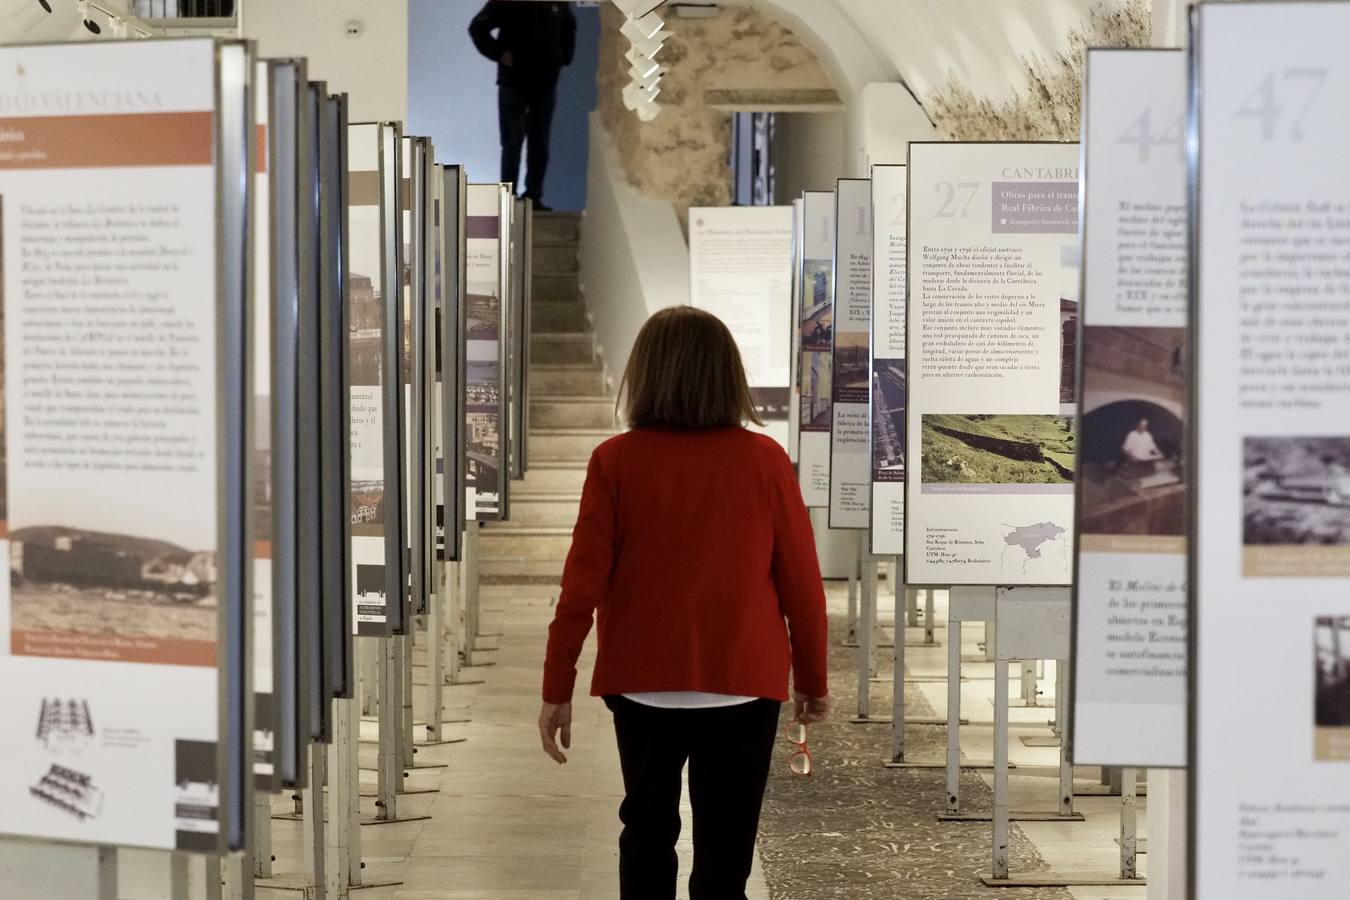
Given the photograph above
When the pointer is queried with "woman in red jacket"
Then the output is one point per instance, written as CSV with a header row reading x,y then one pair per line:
x,y
695,554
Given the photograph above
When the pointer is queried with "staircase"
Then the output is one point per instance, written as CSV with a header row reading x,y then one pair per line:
x,y
571,412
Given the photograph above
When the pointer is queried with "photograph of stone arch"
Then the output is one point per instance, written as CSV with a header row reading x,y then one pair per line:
x,y
1131,452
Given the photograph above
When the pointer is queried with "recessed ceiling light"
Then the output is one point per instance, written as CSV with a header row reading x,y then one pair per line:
x,y
92,26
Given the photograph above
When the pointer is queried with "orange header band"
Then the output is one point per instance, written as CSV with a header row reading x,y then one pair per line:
x,y
85,142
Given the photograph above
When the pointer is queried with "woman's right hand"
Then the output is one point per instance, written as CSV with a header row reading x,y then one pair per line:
x,y
810,710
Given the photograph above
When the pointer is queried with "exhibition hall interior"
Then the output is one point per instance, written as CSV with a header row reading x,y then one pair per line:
x,y
460,449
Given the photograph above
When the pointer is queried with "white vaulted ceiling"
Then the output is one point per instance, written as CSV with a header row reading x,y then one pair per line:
x,y
979,43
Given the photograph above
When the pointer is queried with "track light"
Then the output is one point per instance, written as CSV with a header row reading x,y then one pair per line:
x,y
641,66
45,5
82,8
644,28
637,8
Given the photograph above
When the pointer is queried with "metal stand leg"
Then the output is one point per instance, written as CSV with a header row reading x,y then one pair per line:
x,y
262,835
1000,866
435,664
867,616
898,673
390,759
314,840
854,573
1065,750
1029,686
1129,819
404,644
953,717
929,618
180,882
107,873
343,846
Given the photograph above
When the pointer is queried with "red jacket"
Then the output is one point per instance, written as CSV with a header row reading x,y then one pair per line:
x,y
697,552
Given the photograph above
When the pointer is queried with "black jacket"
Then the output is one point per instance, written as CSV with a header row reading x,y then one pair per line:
x,y
541,37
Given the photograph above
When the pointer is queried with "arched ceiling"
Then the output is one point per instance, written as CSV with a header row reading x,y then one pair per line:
x,y
980,43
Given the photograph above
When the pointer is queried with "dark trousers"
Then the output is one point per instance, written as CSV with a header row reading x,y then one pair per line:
x,y
525,113
729,750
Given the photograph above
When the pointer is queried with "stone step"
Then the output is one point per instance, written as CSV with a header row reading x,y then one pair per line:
x,y
562,349
571,412
566,443
545,510
549,287
554,259
507,569
557,227
558,318
562,476
571,381
509,541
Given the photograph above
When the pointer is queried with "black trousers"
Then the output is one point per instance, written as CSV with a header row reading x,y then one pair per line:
x,y
729,750
525,113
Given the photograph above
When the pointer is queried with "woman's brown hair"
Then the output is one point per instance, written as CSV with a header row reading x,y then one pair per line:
x,y
685,372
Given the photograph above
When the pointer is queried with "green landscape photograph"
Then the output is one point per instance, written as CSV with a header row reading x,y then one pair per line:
x,y
998,449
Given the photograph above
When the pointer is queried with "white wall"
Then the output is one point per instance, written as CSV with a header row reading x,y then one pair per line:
x,y
372,67
634,259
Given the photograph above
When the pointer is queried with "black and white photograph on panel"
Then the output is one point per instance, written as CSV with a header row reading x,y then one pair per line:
x,y
851,354
1130,459
366,320
1296,491
818,315
888,420
1331,683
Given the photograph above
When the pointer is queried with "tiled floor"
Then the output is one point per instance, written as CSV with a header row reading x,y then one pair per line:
x,y
508,823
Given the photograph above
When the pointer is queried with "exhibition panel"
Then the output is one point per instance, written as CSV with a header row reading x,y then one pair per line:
x,y
265,720
850,498
795,345
740,270
288,669
334,406
487,232
887,385
815,339
125,517
374,376
1129,685
522,219
450,515
993,291
1270,400
413,202
309,511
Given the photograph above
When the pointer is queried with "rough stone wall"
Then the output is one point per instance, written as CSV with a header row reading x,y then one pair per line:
x,y
1047,107
683,155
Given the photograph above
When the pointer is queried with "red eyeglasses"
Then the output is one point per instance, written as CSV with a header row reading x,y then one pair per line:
x,y
800,760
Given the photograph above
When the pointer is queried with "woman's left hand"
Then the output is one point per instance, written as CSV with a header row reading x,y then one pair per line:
x,y
555,717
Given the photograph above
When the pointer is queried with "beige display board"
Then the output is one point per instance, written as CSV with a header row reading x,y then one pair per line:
x,y
850,422
487,230
890,206
1129,671
125,176
1270,451
815,330
375,323
740,270
993,294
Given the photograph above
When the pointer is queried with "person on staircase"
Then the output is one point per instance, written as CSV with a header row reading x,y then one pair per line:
x,y
531,45
694,553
